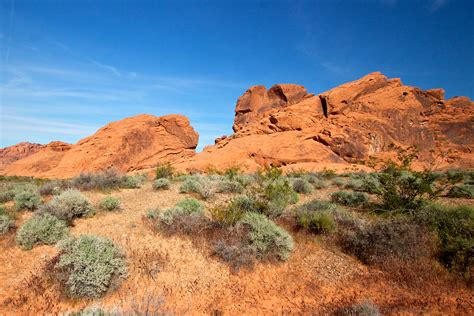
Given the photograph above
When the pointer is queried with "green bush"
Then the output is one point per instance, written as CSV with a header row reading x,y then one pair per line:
x,y
234,211
132,182
152,214
6,223
110,203
41,229
339,182
229,186
164,171
161,184
355,184
302,186
182,209
461,191
7,195
190,205
279,194
454,226
89,266
199,185
349,198
316,222
50,188
266,237
29,200
69,205
455,176
388,239
405,190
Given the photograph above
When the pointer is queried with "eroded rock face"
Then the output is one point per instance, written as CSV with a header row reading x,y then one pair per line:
x,y
16,152
286,126
133,143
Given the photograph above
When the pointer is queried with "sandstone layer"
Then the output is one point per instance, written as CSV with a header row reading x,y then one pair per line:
x,y
8,155
133,143
287,126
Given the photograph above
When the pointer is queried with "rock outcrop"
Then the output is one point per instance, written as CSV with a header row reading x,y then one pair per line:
x,y
133,143
286,126
10,154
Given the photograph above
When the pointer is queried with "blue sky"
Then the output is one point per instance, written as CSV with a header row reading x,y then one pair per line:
x,y
69,67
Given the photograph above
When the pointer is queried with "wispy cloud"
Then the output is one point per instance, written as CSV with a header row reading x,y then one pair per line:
x,y
108,68
30,124
436,5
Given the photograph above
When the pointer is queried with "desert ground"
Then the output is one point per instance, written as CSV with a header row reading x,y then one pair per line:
x,y
179,274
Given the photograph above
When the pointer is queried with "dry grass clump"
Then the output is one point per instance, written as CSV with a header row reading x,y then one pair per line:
x,y
110,203
161,184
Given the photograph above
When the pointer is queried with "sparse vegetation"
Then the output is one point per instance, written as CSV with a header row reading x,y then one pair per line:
x,y
69,205
161,184
461,191
199,185
164,171
110,203
109,179
348,198
268,238
302,186
229,186
89,266
27,200
454,226
41,229
6,223
383,240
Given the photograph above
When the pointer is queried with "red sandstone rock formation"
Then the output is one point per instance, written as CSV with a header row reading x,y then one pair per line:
x,y
133,143
286,126
16,152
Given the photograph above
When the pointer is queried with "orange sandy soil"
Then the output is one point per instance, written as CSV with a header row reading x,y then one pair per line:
x,y
179,275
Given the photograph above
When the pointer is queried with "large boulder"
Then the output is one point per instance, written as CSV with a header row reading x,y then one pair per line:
x,y
286,126
133,143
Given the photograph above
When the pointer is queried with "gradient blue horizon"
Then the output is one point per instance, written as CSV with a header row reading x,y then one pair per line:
x,y
70,67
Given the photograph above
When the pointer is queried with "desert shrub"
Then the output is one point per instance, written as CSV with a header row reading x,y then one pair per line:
x,y
164,170
190,205
316,216
339,182
370,184
454,226
6,223
69,205
161,184
110,203
367,308
152,214
234,211
183,210
229,186
243,179
41,229
405,190
316,222
132,182
199,185
349,198
89,266
354,184
107,180
268,238
279,194
455,176
327,174
302,186
383,240
319,184
237,255
179,220
29,200
232,172
7,195
50,188
461,191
